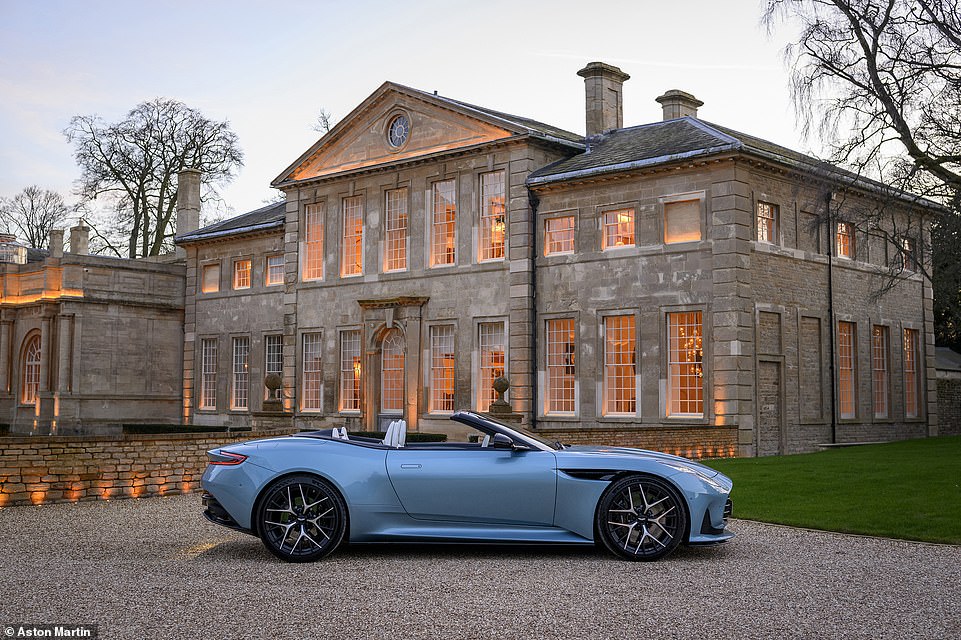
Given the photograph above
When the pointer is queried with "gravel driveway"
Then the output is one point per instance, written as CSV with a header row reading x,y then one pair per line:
x,y
155,568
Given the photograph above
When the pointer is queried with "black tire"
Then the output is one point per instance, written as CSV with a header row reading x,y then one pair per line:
x,y
641,518
301,519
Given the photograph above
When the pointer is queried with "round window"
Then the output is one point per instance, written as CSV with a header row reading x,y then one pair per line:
x,y
397,131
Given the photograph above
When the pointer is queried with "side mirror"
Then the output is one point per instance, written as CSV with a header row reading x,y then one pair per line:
x,y
500,441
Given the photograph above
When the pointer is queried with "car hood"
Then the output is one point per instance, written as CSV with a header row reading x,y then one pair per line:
x,y
613,453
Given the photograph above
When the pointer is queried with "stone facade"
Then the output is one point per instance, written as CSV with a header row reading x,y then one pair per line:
x,y
758,370
87,342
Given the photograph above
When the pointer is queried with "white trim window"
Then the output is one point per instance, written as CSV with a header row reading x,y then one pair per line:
x,y
847,370
312,247
240,381
767,215
844,240
912,373
274,270
620,368
273,361
491,347
443,223
350,371
441,369
208,374
352,254
392,373
395,250
559,235
561,397
685,388
880,370
312,381
493,222
617,229
242,273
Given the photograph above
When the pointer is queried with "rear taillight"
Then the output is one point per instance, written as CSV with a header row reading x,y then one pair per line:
x,y
224,458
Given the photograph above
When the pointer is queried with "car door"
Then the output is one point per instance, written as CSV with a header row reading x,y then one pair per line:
x,y
482,485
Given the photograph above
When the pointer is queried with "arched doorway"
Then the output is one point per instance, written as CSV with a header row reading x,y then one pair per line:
x,y
30,371
392,375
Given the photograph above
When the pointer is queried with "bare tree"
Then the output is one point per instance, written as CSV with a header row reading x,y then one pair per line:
x,y
32,213
323,122
880,81
134,163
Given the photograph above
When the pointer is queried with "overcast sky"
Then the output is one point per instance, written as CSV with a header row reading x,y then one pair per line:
x,y
268,67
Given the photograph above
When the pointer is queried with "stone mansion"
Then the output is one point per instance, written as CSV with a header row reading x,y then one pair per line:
x,y
676,285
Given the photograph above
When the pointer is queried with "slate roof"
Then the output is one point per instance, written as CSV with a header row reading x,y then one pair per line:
x,y
268,217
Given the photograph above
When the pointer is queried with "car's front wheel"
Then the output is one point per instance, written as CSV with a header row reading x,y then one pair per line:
x,y
301,518
641,518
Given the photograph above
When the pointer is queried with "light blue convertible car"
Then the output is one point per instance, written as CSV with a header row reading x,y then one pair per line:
x,y
303,495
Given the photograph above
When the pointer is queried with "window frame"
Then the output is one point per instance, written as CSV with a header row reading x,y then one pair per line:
x,y
268,339
237,377
202,404
204,268
676,364
30,369
881,376
773,225
850,246
346,203
560,363
483,216
357,378
547,234
606,226
847,361
268,267
485,394
387,230
914,376
313,239
312,375
432,368
403,374
605,388
237,272
432,224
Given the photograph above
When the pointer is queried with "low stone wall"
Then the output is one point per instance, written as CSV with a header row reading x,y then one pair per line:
x,y
44,469
690,442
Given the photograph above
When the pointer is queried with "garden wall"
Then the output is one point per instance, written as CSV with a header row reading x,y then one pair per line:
x,y
45,469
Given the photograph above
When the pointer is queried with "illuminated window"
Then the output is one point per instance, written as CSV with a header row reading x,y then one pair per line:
x,y
242,274
312,247
880,370
395,253
392,373
847,370
682,221
493,222
909,256
561,395
912,373
685,389
618,229
620,373
273,362
241,376
313,379
31,371
844,240
558,235
210,279
208,373
352,254
767,222
350,370
274,271
491,346
443,240
441,369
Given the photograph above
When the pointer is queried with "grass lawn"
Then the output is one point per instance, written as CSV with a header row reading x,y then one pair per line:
x,y
909,489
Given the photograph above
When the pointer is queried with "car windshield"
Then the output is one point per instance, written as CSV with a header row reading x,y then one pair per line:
x,y
550,444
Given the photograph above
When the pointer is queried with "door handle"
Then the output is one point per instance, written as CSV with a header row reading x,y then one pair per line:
x,y
410,466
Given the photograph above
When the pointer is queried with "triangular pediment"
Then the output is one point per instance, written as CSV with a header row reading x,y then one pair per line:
x,y
361,139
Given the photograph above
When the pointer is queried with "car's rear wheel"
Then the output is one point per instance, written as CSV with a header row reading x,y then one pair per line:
x,y
641,518
301,518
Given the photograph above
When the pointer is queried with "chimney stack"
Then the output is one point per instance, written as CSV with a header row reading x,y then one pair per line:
x,y
188,201
56,243
604,97
80,239
677,104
